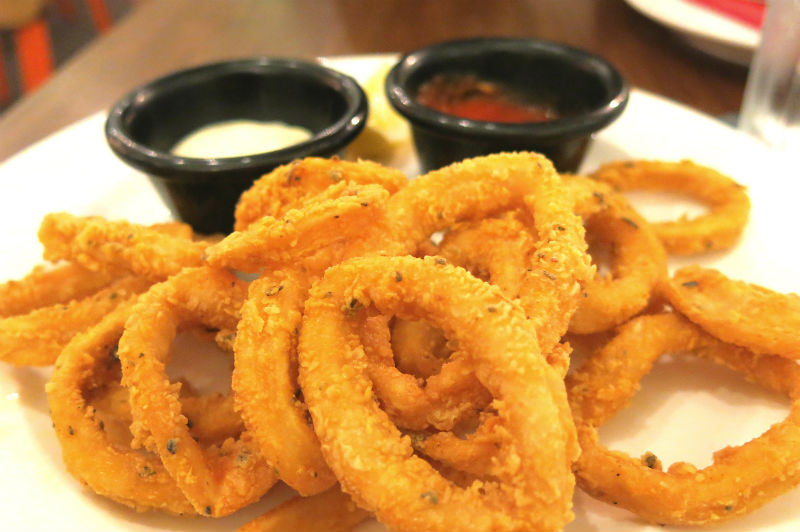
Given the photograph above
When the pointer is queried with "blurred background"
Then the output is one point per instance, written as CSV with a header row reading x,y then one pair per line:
x,y
38,36
63,60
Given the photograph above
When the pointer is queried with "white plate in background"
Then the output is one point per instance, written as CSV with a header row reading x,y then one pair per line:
x,y
710,32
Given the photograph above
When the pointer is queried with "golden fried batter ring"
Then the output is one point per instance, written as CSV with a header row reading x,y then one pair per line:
x,y
545,270
329,511
497,250
265,381
217,480
100,245
90,449
741,313
211,418
449,397
637,262
502,251
419,349
485,186
533,489
343,221
44,286
294,185
740,479
727,200
36,338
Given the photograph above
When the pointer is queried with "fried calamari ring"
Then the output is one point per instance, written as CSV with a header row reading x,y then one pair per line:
x,y
504,252
484,186
473,453
329,511
217,480
100,245
177,230
293,185
90,450
727,200
44,286
37,338
265,381
346,221
497,250
77,294
419,349
449,397
637,262
737,312
501,251
545,272
367,452
211,418
739,480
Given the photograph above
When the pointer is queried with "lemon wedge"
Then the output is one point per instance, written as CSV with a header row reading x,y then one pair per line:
x,y
386,132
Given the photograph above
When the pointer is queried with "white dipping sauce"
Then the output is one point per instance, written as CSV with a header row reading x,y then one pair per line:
x,y
236,138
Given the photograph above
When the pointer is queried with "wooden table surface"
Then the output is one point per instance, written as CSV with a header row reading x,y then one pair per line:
x,y
160,36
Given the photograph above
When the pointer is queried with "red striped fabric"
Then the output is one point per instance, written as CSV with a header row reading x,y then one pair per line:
x,y
749,12
100,14
30,54
5,88
66,9
34,54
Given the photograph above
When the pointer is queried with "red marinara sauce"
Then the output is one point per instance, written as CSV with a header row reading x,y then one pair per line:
x,y
466,96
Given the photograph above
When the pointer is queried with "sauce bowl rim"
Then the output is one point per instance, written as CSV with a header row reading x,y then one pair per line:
x,y
567,126
169,166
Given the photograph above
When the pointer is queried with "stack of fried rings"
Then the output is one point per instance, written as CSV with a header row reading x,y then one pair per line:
x,y
424,377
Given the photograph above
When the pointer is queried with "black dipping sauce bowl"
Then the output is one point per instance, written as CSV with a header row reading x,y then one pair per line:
x,y
586,92
143,127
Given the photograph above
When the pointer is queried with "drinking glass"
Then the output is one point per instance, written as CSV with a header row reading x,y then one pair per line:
x,y
771,106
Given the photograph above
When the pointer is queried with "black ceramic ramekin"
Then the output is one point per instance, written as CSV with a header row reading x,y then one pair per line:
x,y
585,90
144,125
